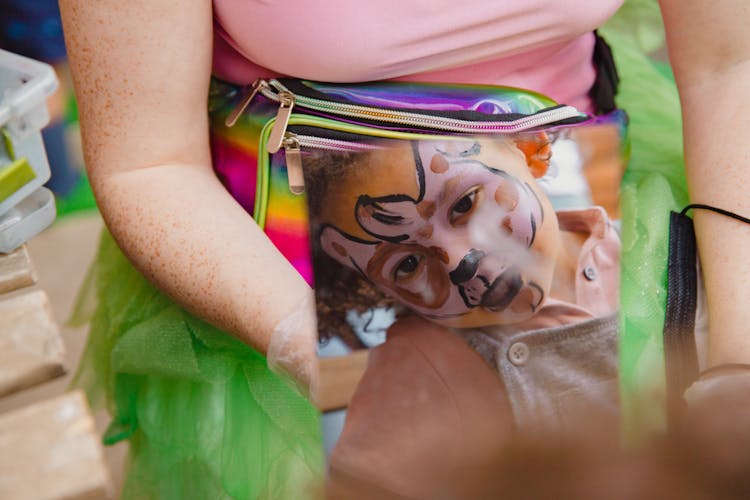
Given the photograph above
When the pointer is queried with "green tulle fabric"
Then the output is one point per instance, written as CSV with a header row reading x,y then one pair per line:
x,y
204,416
653,185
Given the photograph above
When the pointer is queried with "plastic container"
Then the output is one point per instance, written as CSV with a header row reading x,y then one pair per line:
x,y
25,85
26,219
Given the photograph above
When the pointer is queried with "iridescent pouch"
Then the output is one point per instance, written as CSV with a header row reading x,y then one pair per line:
x,y
259,134
479,216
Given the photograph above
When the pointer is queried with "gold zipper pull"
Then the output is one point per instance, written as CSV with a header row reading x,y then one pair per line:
x,y
286,104
242,106
293,157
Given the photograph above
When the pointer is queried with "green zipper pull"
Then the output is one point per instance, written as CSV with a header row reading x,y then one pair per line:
x,y
276,139
256,87
294,164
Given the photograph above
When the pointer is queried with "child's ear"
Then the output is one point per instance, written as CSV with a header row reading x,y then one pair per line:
x,y
538,150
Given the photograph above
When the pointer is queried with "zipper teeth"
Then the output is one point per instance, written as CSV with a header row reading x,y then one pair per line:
x,y
309,141
420,120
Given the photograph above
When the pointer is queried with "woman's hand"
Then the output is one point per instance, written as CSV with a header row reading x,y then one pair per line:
x,y
141,70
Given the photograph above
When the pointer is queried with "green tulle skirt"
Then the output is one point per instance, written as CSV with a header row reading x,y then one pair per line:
x,y
204,416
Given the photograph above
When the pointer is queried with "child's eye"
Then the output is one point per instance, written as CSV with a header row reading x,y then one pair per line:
x,y
406,267
462,209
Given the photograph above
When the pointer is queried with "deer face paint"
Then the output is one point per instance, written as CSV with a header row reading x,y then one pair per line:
x,y
465,238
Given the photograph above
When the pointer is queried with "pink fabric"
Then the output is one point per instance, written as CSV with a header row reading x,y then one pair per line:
x,y
413,430
597,275
544,45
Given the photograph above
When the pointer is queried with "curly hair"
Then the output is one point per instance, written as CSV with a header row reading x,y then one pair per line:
x,y
338,289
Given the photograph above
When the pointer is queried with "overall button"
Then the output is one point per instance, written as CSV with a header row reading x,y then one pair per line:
x,y
589,272
518,353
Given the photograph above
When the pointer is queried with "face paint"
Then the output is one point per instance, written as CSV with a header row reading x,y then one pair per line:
x,y
473,246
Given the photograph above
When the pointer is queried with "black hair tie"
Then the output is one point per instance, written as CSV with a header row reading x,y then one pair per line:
x,y
717,210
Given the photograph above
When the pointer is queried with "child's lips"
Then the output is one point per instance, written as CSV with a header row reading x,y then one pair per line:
x,y
503,290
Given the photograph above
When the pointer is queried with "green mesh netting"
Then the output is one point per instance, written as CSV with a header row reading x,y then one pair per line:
x,y
204,415
654,184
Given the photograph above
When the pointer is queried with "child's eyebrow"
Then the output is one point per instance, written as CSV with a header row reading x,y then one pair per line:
x,y
449,188
465,168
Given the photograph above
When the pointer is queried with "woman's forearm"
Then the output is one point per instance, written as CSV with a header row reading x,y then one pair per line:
x,y
180,229
141,71
717,153
709,47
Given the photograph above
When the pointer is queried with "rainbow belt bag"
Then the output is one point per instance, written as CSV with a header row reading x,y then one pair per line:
x,y
260,134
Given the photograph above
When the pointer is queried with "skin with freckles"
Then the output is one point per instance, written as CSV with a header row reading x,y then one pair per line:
x,y
713,74
458,231
141,72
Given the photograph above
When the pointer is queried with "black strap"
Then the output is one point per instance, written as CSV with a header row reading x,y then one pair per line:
x,y
604,89
717,210
680,355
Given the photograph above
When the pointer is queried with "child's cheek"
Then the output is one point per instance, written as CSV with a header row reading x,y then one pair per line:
x,y
526,301
506,195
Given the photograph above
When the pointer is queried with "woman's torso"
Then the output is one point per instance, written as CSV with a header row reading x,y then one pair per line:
x,y
542,45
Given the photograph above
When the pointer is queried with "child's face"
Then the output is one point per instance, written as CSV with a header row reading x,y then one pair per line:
x,y
457,231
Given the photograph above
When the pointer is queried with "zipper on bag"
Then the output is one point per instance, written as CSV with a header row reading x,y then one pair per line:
x,y
293,143
286,105
242,106
337,115
276,91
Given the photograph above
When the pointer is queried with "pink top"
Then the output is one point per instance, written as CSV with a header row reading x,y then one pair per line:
x,y
542,45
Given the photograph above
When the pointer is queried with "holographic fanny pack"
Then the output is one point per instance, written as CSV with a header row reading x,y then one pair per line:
x,y
262,133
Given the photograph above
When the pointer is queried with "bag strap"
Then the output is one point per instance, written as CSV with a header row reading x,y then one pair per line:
x,y
604,89
680,354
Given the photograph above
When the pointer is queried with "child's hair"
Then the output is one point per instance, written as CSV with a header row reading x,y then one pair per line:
x,y
338,289
320,166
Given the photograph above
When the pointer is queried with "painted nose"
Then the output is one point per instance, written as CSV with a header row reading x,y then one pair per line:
x,y
467,267
503,290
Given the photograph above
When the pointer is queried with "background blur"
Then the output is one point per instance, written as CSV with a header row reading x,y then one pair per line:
x,y
62,253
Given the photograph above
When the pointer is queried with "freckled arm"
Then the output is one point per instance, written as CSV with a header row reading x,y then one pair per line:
x,y
141,70
709,46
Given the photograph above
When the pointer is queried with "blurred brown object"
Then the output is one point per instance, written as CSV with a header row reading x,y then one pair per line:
x,y
50,450
339,377
49,447
31,350
437,443
603,165
16,270
707,457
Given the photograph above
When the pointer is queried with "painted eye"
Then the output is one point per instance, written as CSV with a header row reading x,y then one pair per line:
x,y
461,210
406,267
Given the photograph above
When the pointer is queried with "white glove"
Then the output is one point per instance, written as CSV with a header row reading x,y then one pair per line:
x,y
292,349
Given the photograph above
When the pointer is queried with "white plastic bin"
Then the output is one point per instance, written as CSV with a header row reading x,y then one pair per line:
x,y
25,207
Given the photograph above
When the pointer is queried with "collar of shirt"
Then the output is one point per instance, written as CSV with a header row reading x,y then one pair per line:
x,y
597,274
